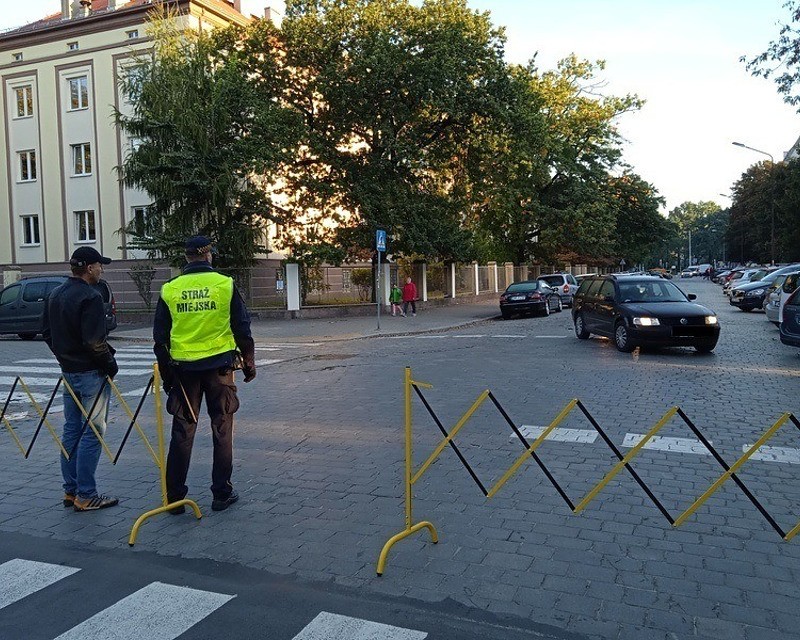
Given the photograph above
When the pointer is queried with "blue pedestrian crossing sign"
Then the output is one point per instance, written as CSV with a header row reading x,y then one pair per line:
x,y
380,240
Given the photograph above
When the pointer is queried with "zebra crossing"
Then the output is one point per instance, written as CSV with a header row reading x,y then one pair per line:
x,y
159,611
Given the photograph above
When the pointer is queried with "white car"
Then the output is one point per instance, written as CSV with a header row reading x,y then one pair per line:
x,y
564,283
778,297
690,272
742,279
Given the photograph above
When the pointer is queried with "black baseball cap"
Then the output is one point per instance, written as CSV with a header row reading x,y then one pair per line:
x,y
84,256
198,245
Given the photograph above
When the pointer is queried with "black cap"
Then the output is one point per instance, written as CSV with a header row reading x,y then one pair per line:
x,y
83,256
198,245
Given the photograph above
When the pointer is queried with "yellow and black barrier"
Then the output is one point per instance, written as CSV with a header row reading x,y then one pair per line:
x,y
159,458
412,477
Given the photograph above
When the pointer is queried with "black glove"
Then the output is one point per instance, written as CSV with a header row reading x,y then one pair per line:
x,y
112,369
249,372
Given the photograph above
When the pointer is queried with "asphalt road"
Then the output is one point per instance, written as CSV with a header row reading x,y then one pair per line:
x,y
319,464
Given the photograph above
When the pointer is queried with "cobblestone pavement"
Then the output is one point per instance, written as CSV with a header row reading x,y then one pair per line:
x,y
319,463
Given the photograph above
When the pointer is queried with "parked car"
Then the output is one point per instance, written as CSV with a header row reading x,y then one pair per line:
x,y
583,277
643,311
772,300
564,283
720,276
659,272
790,325
789,286
530,296
739,277
22,305
750,295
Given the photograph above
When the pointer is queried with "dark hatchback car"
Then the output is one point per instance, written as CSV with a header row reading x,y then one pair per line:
x,y
22,305
643,311
530,296
790,325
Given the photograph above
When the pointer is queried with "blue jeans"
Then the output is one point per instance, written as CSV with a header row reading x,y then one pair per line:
x,y
79,470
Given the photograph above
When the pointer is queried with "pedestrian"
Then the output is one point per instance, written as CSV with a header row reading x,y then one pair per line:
x,y
202,333
409,297
396,297
74,327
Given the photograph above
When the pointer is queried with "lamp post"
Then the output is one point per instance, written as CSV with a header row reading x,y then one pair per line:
x,y
772,199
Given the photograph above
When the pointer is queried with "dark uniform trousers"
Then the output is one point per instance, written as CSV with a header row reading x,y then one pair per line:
x,y
219,390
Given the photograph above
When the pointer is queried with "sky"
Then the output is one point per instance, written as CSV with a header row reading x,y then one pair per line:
x,y
680,56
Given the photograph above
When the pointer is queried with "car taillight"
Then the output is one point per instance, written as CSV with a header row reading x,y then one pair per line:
x,y
534,296
566,288
503,298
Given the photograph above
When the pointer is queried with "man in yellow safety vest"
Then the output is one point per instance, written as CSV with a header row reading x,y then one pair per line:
x,y
201,330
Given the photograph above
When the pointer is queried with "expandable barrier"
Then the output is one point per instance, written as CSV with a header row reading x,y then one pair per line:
x,y
412,477
159,458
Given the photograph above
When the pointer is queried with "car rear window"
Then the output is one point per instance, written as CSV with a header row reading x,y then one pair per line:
x,y
518,287
552,280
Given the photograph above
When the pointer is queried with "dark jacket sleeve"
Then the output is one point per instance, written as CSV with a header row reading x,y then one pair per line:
x,y
240,326
93,334
162,325
46,333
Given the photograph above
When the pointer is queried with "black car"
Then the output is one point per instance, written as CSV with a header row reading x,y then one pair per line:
x,y
643,311
530,296
790,325
22,305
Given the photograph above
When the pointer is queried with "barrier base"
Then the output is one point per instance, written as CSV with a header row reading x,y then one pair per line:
x,y
400,536
154,512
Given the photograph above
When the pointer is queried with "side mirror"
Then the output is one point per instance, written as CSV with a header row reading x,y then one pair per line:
x,y
692,296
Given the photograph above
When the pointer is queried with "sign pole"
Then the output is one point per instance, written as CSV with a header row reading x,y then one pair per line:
x,y
380,247
378,292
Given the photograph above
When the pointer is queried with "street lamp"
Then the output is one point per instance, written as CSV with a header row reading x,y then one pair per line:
x,y
772,198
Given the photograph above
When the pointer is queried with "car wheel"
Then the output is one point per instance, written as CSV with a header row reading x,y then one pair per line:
x,y
547,308
622,338
560,306
746,309
705,348
26,336
580,328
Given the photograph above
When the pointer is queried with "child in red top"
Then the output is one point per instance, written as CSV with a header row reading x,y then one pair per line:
x,y
409,296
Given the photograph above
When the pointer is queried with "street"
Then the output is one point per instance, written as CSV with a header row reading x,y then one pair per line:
x,y
319,466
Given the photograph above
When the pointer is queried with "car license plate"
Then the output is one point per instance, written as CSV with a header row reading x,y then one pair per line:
x,y
517,297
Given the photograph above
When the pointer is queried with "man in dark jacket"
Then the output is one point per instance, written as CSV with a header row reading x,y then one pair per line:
x,y
201,329
75,331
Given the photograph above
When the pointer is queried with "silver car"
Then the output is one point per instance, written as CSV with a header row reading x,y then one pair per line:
x,y
564,283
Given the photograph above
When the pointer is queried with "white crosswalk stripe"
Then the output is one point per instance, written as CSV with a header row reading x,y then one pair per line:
x,y
331,626
787,455
532,432
665,443
56,371
21,578
156,612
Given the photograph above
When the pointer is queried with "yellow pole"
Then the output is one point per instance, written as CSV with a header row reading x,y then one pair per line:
x,y
162,458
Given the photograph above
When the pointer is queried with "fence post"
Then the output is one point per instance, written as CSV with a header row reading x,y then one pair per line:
x,y
493,265
424,281
509,267
476,277
386,289
10,276
292,286
452,279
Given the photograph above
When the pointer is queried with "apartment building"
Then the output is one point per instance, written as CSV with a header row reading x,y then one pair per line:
x,y
58,141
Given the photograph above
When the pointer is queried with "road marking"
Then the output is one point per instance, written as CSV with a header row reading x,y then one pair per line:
x,y
21,578
553,337
31,382
774,454
665,443
264,363
55,370
476,335
502,335
330,626
267,349
126,358
156,612
584,436
286,345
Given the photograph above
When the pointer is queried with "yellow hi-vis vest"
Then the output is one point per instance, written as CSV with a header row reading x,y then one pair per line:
x,y
200,306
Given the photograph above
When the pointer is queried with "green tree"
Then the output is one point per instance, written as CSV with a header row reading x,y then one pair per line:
x,y
640,229
212,134
390,94
707,226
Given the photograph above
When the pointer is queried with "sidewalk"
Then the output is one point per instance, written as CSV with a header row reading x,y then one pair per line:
x,y
350,328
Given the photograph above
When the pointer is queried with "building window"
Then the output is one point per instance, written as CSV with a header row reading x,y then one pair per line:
x,y
139,219
132,34
85,230
27,166
347,280
72,46
30,231
17,57
24,96
79,93
81,159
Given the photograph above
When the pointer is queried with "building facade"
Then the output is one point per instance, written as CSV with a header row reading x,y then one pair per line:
x,y
58,142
